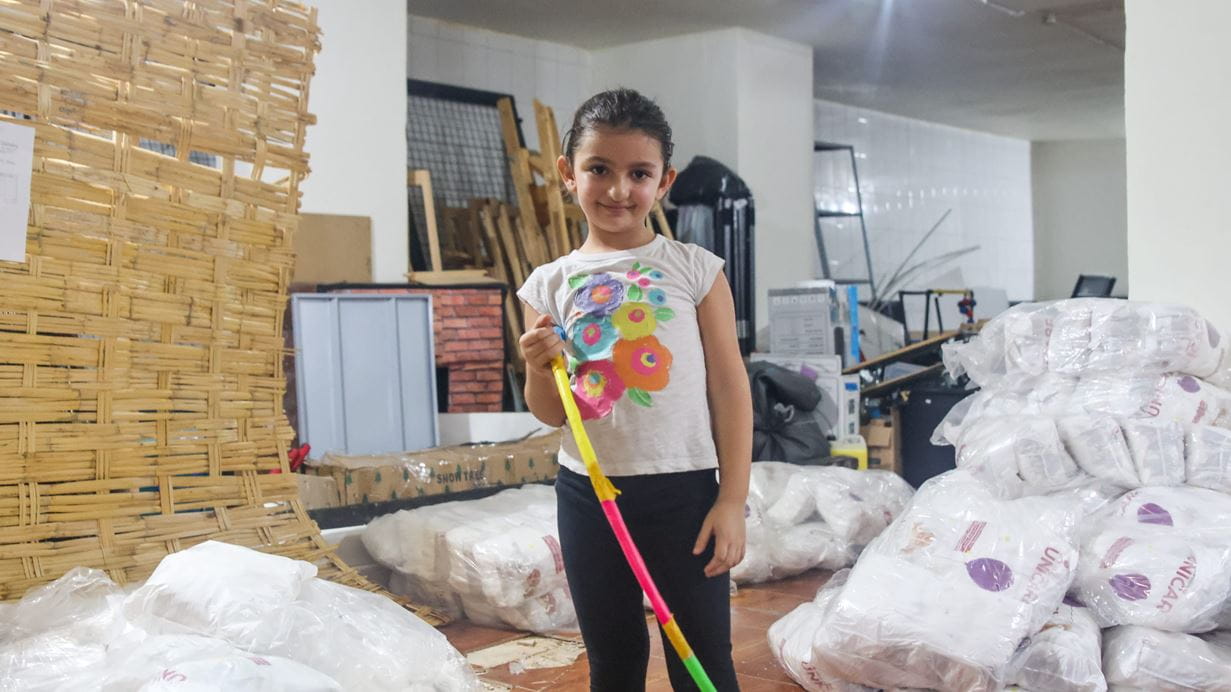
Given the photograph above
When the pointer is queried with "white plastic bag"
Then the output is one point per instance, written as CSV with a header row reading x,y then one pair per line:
x,y
1065,656
216,589
1208,462
1088,336
1098,445
1157,449
497,556
1159,558
807,546
363,640
1017,455
944,596
59,629
1139,658
790,640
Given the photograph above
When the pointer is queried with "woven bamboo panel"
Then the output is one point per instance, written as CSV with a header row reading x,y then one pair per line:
x,y
141,347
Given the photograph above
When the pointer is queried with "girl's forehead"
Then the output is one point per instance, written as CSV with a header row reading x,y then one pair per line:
x,y
619,145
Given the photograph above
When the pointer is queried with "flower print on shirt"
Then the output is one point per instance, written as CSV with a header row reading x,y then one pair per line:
x,y
599,295
612,339
593,337
597,387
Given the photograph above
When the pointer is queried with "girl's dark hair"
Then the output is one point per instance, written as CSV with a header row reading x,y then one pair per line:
x,y
620,109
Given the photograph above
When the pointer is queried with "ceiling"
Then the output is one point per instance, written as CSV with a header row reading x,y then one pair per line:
x,y
1034,69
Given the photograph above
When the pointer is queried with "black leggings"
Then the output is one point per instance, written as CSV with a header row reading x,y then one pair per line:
x,y
664,513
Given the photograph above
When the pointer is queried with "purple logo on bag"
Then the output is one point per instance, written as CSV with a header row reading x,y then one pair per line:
x,y
1150,513
1131,587
1190,384
990,574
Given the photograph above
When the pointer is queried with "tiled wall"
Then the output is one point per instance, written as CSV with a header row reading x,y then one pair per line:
x,y
912,171
556,74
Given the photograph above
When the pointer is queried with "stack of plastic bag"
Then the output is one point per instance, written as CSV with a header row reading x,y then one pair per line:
x,y
497,559
1091,336
221,617
804,517
944,597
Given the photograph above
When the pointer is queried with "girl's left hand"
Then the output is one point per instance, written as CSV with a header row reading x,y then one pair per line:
x,y
725,524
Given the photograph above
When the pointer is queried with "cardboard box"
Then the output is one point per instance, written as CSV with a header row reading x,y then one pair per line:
x,y
802,320
383,477
332,249
884,438
316,492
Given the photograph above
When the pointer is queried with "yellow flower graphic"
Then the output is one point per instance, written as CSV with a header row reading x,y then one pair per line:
x,y
634,320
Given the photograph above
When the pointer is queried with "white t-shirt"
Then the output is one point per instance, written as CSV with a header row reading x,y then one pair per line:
x,y
637,364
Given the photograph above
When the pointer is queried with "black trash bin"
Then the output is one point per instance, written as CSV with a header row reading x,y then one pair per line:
x,y
926,406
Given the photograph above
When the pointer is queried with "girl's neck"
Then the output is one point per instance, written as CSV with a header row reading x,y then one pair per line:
x,y
598,241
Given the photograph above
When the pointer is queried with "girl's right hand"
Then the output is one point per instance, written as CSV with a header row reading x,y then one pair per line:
x,y
540,345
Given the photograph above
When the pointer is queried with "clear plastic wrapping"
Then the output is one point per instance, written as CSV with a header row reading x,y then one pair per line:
x,y
1020,455
1091,335
804,517
1160,558
221,617
945,595
790,640
496,559
1208,460
1065,656
58,630
1139,658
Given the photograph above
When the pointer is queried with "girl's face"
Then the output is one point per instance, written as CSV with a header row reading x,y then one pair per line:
x,y
616,176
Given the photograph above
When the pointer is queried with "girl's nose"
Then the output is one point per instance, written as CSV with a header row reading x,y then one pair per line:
x,y
618,192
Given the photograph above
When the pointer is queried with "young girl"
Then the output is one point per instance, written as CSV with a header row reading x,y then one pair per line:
x,y
657,374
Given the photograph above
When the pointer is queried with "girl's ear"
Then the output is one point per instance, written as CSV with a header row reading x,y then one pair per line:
x,y
664,185
566,173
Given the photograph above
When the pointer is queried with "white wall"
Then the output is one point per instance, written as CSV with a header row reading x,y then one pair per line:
x,y
358,146
1080,214
1177,105
693,79
775,153
556,74
911,171
742,98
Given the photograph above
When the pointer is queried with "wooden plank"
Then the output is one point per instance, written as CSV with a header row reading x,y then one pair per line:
x,y
450,277
892,356
513,250
889,386
423,179
502,271
660,217
519,166
549,144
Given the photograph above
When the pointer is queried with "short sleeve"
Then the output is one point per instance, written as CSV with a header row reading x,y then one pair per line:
x,y
704,267
534,291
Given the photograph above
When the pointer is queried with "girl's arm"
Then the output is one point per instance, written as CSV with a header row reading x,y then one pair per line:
x,y
539,345
730,400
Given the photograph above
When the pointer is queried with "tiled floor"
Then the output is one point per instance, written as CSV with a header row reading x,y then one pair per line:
x,y
753,610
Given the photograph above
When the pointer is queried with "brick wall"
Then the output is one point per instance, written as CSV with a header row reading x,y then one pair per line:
x,y
470,343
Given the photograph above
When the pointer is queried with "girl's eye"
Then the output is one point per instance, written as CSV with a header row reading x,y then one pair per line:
x,y
641,175
598,170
